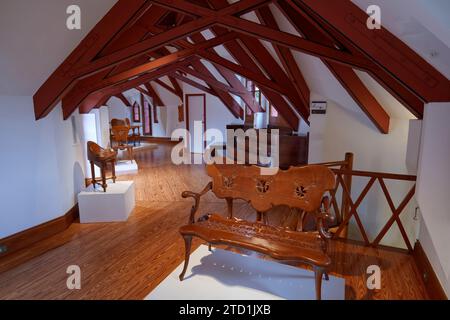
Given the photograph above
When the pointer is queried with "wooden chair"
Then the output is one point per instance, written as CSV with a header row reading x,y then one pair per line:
x,y
119,140
120,122
299,187
101,157
135,135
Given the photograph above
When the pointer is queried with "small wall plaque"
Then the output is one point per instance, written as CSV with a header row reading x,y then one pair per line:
x,y
319,107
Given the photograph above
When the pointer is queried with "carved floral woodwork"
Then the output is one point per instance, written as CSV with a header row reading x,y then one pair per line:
x,y
301,188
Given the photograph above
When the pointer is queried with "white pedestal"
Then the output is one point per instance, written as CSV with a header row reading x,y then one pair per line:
x,y
114,205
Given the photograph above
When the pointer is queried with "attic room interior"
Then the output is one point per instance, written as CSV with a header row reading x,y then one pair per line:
x,y
225,150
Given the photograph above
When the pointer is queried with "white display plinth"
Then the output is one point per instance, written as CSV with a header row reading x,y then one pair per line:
x,y
225,275
114,205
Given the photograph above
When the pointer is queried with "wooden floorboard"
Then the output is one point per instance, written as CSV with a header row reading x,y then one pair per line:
x,y
127,260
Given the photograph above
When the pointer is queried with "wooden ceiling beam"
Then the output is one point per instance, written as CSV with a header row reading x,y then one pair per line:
x,y
194,84
129,37
252,74
174,57
259,31
244,59
382,47
176,86
159,40
391,84
276,73
157,101
362,96
212,81
89,85
166,87
344,74
51,91
223,95
71,69
121,87
136,32
287,58
234,82
125,101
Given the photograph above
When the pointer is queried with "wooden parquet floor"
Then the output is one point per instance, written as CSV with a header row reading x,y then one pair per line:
x,y
127,260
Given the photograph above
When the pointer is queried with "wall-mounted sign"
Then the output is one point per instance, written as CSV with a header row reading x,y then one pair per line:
x,y
318,107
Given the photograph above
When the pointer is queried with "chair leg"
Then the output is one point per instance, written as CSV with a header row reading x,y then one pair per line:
x,y
104,185
318,275
327,277
113,163
92,174
209,247
187,243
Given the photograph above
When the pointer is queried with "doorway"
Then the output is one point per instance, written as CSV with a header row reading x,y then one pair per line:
x,y
196,121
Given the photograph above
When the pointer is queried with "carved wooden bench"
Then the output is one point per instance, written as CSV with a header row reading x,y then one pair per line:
x,y
300,187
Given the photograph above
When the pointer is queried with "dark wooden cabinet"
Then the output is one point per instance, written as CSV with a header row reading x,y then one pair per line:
x,y
293,149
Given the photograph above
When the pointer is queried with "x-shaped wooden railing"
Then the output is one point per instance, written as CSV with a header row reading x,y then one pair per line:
x,y
344,219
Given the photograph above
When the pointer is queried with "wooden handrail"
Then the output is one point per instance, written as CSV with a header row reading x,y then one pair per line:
x,y
383,175
332,164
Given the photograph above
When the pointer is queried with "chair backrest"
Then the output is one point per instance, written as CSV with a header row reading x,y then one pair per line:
x,y
297,187
93,150
120,135
118,122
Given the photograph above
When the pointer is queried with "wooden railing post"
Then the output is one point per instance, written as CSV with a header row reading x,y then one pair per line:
x,y
345,208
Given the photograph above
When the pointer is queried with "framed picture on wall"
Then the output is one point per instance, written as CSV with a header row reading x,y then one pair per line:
x,y
136,112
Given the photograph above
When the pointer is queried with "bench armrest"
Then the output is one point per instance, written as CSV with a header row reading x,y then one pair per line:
x,y
324,215
196,197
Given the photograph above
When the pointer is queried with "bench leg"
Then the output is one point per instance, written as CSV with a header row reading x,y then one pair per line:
x,y
318,275
187,243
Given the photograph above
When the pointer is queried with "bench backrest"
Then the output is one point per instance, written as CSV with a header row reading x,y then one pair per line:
x,y
297,187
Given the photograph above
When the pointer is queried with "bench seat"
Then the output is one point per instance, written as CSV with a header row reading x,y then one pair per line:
x,y
276,242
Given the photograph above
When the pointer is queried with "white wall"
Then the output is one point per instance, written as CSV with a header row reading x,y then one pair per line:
x,y
433,189
342,130
35,40
168,114
117,110
41,169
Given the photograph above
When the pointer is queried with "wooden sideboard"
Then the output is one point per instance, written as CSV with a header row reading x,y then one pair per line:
x,y
293,148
